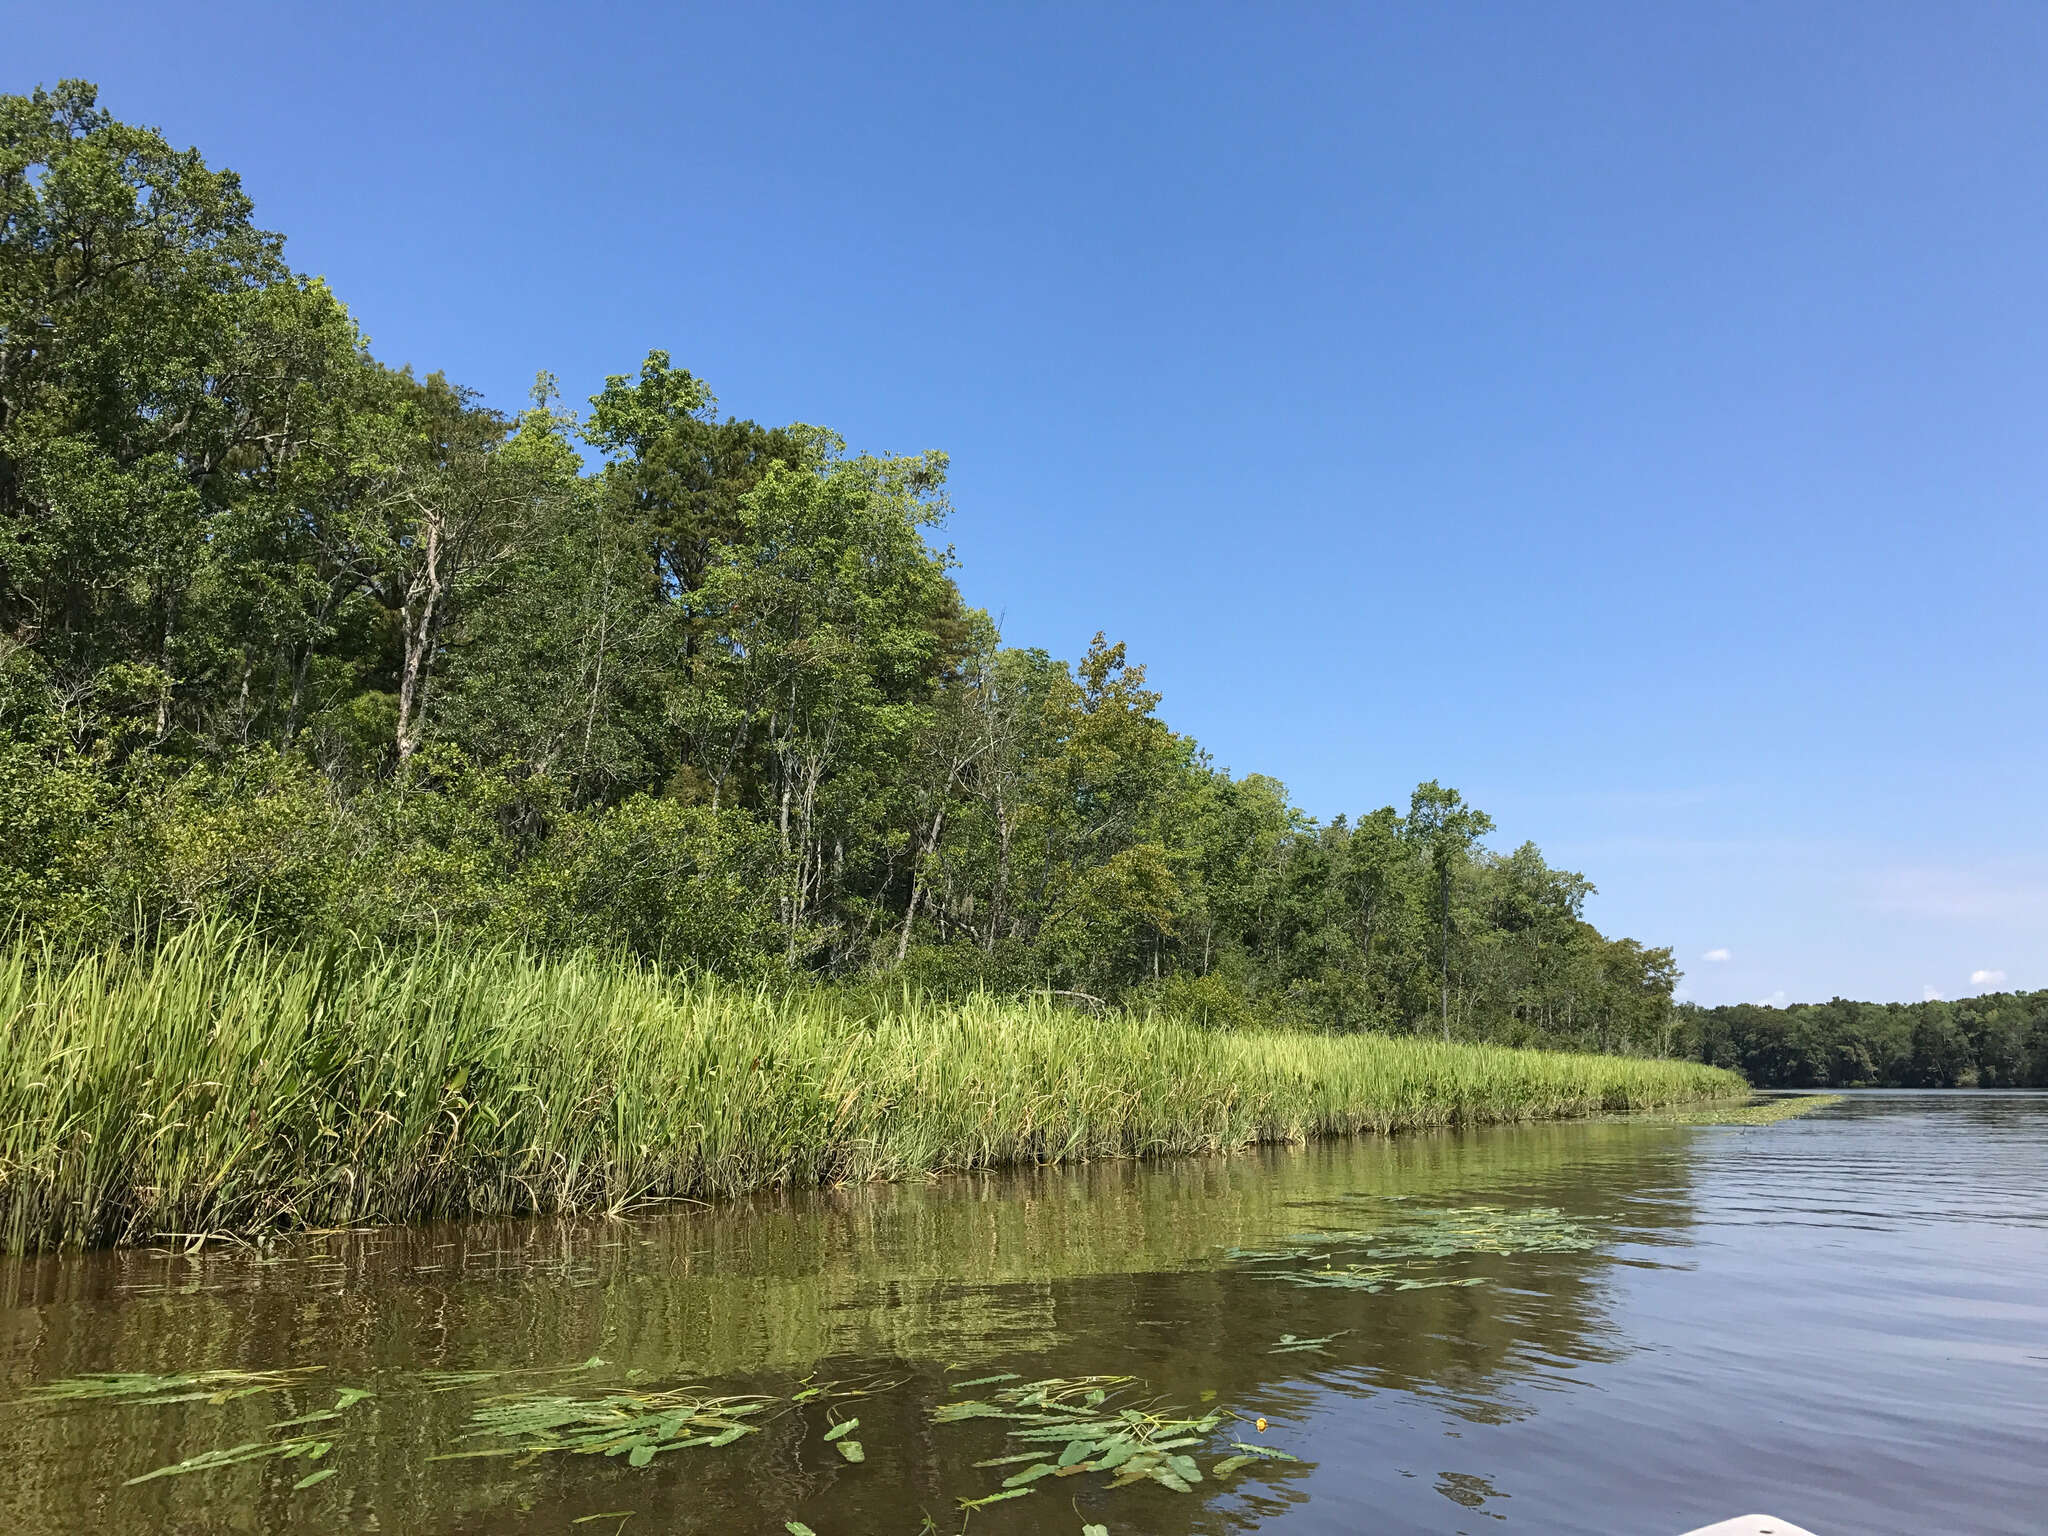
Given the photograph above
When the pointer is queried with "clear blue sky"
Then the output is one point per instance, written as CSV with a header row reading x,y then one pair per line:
x,y
1634,415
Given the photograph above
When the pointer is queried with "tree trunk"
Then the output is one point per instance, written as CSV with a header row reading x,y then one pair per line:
x,y
421,618
929,847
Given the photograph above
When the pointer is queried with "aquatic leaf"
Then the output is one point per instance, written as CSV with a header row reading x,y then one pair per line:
x,y
619,1424
985,1381
1094,1428
842,1429
1413,1234
1136,1470
190,1386
1117,1454
207,1461
1271,1453
1230,1464
641,1455
798,1528
851,1450
1290,1344
314,1477
1133,1442
947,1413
1094,1530
996,1498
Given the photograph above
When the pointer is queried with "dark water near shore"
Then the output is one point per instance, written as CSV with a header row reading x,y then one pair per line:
x,y
1842,1320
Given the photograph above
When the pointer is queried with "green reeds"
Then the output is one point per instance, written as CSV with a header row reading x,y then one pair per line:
x,y
213,1085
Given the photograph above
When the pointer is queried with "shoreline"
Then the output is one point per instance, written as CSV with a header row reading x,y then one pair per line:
x,y
215,1086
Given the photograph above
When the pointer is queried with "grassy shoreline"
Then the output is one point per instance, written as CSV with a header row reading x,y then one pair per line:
x,y
214,1085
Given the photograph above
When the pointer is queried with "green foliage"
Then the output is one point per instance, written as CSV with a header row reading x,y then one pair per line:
x,y
216,1386
1997,1040
210,1083
681,884
636,1425
1404,1243
1096,1428
297,640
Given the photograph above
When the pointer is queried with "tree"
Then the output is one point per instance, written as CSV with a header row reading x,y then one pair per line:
x,y
681,472
288,635
434,506
162,379
826,626
947,743
1106,897
1445,828
559,660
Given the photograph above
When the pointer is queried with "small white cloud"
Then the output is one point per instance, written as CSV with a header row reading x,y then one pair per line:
x,y
1929,995
1986,978
1775,1000
1717,954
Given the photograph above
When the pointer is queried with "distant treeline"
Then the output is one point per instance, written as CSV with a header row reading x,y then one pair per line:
x,y
292,638
1997,1040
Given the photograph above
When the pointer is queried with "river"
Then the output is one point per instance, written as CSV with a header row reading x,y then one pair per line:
x,y
1622,1327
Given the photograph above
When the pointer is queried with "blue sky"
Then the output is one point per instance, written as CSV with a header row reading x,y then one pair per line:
x,y
1633,415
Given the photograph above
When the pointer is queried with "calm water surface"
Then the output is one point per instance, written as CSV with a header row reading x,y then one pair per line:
x,y
1841,1319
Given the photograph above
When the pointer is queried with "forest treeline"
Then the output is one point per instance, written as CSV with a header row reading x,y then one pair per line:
x,y
294,638
1996,1040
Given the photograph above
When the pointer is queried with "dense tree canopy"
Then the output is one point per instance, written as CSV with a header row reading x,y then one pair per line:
x,y
1998,1040
294,637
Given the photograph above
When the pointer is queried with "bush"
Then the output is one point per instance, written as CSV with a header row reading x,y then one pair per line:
x,y
679,884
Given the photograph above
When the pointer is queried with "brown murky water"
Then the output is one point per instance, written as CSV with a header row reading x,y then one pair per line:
x,y
1842,1320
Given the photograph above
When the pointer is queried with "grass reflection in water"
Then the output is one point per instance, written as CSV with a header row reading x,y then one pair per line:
x,y
1067,1426
1112,1269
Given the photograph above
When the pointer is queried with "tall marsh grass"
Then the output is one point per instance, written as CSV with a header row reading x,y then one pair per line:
x,y
216,1085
